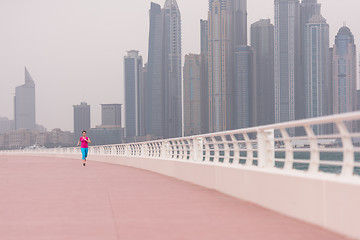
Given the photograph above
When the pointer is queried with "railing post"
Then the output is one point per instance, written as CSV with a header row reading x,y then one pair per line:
x,y
266,149
237,154
145,150
197,149
164,150
249,150
315,153
127,150
289,151
226,149
348,152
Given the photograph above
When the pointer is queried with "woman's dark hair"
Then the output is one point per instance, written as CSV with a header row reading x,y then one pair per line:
x,y
84,131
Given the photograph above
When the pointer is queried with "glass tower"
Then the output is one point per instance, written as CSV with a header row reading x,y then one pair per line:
x,y
133,66
262,41
173,69
288,66
192,95
317,69
344,72
164,77
24,104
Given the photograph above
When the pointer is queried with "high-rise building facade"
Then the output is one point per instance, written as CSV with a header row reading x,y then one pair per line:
x,y
344,73
133,79
81,118
204,45
240,22
155,110
111,115
173,69
308,9
143,100
262,41
287,55
192,95
24,104
6,125
317,69
220,65
164,79
244,88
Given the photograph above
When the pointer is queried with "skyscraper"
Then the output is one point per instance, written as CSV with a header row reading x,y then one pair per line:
x,y
344,72
143,100
288,67
220,65
155,111
133,66
308,9
317,69
240,22
173,69
262,41
24,104
164,111
111,115
204,44
192,95
81,118
244,88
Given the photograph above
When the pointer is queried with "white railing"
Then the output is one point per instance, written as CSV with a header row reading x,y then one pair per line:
x,y
262,147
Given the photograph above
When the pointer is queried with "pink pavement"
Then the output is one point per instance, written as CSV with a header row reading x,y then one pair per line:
x,y
59,199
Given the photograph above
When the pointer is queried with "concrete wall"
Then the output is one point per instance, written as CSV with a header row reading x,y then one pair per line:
x,y
325,200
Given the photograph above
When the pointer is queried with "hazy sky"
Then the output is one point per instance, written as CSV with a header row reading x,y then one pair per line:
x,y
74,49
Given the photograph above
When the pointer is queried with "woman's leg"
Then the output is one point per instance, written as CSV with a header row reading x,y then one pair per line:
x,y
86,153
83,152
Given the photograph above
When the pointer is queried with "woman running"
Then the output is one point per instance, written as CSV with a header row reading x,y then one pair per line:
x,y
84,141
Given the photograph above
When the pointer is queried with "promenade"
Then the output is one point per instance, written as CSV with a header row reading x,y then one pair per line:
x,y
59,199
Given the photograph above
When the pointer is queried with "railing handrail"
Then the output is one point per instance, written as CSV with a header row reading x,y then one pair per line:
x,y
303,122
254,146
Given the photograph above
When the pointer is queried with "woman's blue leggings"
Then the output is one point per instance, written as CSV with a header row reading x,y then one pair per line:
x,y
84,152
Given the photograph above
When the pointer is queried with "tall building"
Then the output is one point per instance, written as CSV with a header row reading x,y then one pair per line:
x,y
288,67
308,9
192,95
155,111
81,118
143,100
262,41
204,45
24,104
133,66
173,69
244,88
227,31
317,69
220,65
344,72
111,115
240,22
6,125
164,96
330,105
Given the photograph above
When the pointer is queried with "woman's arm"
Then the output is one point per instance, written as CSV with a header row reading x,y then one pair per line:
x,y
89,141
78,143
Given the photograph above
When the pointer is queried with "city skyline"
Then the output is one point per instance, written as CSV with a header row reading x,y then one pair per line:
x,y
58,79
